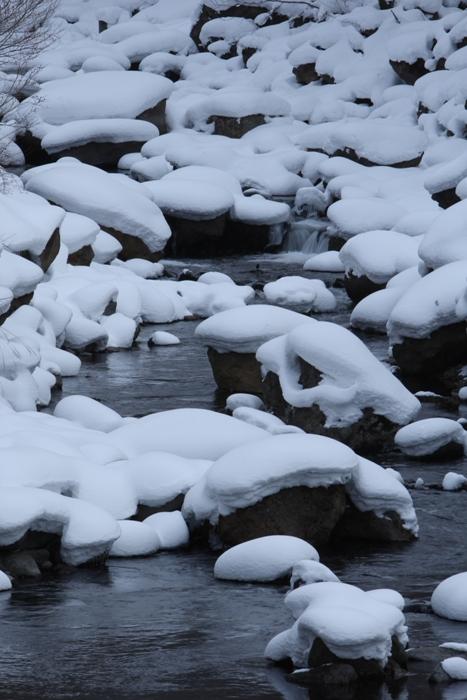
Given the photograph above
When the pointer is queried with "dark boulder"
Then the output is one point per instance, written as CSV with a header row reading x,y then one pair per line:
x,y
236,372
308,513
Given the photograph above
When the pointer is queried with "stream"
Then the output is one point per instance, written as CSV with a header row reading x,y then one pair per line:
x,y
163,627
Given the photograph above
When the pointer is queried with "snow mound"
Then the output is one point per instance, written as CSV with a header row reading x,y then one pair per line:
x,y
263,559
136,540
449,598
243,330
352,378
171,529
429,435
300,294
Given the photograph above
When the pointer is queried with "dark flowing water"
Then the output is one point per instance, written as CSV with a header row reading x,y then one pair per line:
x,y
163,627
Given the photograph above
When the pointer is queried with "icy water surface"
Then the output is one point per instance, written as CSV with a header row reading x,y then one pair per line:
x,y
164,627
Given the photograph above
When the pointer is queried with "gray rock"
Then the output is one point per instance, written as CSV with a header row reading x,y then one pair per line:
x,y
311,514
236,372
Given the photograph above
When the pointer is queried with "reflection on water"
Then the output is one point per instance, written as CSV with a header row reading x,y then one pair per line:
x,y
163,627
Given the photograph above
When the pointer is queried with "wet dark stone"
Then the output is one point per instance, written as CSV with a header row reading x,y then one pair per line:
x,y
214,237
358,525
50,252
83,256
359,287
20,565
16,303
444,348
310,514
132,246
156,115
234,127
453,450
236,372
369,435
446,198
326,676
247,53
353,155
207,13
101,154
306,73
145,511
409,73
335,243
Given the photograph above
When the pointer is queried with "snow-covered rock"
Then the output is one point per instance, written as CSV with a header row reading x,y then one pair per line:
x,y
263,559
449,598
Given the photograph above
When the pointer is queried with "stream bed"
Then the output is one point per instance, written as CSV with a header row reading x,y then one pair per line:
x,y
163,627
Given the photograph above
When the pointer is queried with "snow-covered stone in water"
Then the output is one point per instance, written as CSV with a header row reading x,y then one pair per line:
x,y
171,529
306,571
235,401
449,598
456,668
263,559
87,532
136,540
372,258
380,506
89,413
232,338
432,438
300,294
143,268
322,378
339,620
325,262
375,141
372,312
389,596
454,482
419,483
163,338
5,582
116,203
206,434
287,484
120,329
425,326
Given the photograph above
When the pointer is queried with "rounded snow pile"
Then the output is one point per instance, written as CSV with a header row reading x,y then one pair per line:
x,y
263,559
425,437
450,598
136,540
300,294
244,329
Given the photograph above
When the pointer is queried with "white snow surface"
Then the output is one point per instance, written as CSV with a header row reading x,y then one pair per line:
x,y
449,598
428,435
352,377
263,559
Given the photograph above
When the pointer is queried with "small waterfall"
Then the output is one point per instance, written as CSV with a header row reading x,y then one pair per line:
x,y
306,236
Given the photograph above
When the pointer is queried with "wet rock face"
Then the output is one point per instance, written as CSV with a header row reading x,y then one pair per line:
x,y
214,237
370,434
236,372
144,512
132,247
359,287
446,198
236,127
358,525
83,256
310,514
334,675
444,348
409,73
306,73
